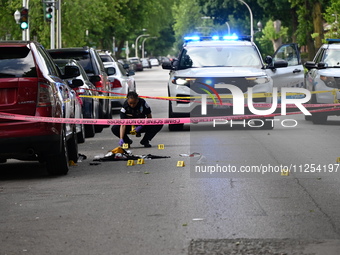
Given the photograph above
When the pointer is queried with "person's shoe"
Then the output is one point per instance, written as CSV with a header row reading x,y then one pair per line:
x,y
145,143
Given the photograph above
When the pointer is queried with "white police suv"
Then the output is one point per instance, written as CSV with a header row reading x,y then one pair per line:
x,y
324,75
206,64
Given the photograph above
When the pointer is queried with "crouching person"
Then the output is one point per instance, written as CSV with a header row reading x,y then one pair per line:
x,y
135,107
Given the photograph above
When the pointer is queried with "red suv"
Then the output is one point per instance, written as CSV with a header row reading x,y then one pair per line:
x,y
31,84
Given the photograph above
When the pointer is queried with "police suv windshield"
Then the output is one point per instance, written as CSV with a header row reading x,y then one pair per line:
x,y
219,56
332,57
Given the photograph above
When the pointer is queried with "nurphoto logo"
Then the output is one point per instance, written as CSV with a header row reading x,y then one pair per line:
x,y
239,99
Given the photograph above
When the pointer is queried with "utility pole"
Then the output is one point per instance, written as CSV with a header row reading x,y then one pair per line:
x,y
136,44
52,14
58,7
26,32
52,29
251,20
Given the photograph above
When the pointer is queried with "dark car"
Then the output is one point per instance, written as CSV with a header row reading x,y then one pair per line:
x,y
127,64
93,66
137,63
31,84
90,105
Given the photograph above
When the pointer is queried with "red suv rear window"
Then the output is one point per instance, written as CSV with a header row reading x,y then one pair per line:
x,y
16,62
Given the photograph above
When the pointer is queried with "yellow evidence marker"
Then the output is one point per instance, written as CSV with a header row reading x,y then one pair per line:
x,y
131,163
180,164
140,161
161,146
284,172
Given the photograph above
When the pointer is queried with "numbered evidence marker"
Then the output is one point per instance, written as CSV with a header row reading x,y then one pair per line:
x,y
161,146
140,161
180,164
131,163
125,146
285,172
338,160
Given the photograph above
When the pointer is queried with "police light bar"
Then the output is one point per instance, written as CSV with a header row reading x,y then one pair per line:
x,y
192,38
232,37
330,40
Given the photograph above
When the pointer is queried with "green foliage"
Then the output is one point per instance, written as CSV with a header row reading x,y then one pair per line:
x,y
96,22
9,30
187,17
332,17
92,22
269,36
304,12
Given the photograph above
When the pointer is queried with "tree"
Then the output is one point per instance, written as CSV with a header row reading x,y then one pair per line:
x,y
273,32
310,23
187,17
332,18
8,28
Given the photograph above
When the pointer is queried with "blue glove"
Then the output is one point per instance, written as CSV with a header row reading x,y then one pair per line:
x,y
121,142
138,129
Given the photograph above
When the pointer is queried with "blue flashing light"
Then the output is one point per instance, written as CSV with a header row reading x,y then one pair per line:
x,y
230,37
330,40
209,82
192,38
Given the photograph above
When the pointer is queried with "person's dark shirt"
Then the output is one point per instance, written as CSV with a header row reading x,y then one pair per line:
x,y
141,110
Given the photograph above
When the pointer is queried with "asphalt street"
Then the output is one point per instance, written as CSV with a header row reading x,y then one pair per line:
x,y
173,205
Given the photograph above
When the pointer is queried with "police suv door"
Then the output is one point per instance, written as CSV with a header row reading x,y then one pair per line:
x,y
293,74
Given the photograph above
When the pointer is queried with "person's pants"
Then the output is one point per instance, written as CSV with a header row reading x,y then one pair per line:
x,y
149,130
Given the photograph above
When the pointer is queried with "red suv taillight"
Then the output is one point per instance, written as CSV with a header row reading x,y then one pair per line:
x,y
115,84
45,95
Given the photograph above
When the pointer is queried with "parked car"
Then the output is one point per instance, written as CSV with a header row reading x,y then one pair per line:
x,y
32,85
121,81
94,68
164,60
138,63
90,105
154,62
146,63
127,64
323,75
106,57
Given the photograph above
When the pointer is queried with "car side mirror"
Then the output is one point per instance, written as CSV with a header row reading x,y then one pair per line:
x,y
322,65
71,72
167,65
310,65
94,78
268,60
280,63
76,83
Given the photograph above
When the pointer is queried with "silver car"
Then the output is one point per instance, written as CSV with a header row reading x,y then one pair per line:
x,y
322,78
121,82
